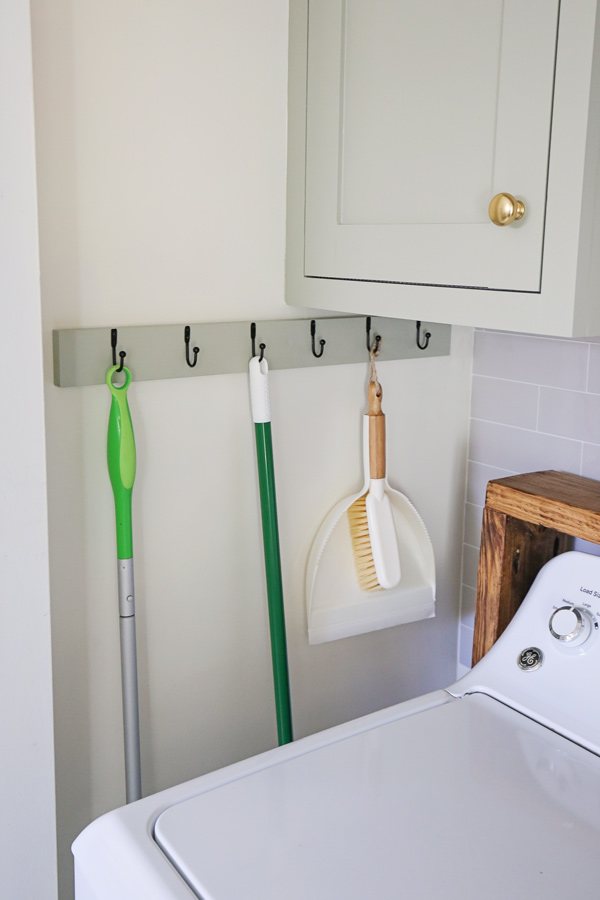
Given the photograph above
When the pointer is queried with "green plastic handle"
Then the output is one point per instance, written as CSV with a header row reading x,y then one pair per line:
x,y
120,447
268,503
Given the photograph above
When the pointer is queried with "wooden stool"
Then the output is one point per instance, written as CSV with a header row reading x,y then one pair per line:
x,y
527,520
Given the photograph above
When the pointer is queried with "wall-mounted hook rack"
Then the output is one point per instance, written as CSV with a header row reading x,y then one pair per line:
x,y
425,344
187,336
80,356
113,344
322,342
261,347
377,338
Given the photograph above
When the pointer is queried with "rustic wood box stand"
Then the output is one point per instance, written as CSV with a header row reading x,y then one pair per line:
x,y
527,520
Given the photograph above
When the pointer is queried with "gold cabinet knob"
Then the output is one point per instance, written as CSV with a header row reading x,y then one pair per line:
x,y
504,209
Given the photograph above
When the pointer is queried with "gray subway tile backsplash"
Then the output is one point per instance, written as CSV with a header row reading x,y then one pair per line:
x,y
468,605
534,360
470,562
535,405
473,515
501,400
478,475
465,645
590,461
572,414
522,450
593,384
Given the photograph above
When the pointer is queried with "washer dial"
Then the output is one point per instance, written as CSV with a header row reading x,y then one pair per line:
x,y
570,625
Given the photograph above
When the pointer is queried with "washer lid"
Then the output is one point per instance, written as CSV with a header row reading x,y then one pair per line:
x,y
464,800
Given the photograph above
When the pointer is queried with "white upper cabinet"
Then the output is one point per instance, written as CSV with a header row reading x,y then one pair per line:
x,y
406,119
418,114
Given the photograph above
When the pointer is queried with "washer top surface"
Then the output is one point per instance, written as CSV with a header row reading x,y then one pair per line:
x,y
465,800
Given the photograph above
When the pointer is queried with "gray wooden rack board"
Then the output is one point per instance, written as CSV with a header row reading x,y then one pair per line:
x,y
82,356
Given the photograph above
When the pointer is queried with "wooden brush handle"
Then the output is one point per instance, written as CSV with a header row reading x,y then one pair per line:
x,y
376,432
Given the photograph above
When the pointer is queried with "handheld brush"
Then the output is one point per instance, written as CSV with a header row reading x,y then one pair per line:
x,y
372,529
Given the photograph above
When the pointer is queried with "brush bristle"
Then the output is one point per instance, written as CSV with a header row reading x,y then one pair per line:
x,y
361,546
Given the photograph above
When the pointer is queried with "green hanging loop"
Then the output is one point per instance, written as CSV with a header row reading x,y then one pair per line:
x,y
120,449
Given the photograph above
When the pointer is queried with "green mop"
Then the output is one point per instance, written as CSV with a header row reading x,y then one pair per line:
x,y
261,415
121,468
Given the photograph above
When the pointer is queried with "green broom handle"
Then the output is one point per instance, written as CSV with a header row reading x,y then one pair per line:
x,y
266,479
261,414
121,468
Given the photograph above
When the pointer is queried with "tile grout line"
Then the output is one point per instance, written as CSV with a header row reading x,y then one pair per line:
x,y
587,374
550,387
536,337
551,434
554,387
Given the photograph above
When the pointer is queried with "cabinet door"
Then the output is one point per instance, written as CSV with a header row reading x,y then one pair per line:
x,y
417,115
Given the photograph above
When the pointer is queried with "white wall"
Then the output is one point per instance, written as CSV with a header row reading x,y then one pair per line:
x,y
27,826
161,148
535,405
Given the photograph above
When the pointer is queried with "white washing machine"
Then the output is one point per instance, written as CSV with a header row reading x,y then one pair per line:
x,y
489,789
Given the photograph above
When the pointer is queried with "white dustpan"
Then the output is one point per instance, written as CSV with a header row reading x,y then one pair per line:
x,y
336,606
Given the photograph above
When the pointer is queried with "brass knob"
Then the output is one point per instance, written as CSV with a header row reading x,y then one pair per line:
x,y
504,209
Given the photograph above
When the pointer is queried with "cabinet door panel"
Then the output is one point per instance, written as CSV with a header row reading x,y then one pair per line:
x,y
417,115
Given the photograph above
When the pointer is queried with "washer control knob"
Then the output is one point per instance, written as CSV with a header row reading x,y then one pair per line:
x,y
570,625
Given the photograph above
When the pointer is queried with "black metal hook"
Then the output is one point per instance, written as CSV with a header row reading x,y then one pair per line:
x,y
262,347
187,338
377,338
313,328
113,344
427,336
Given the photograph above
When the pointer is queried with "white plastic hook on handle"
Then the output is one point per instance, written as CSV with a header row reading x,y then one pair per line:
x,y
259,389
